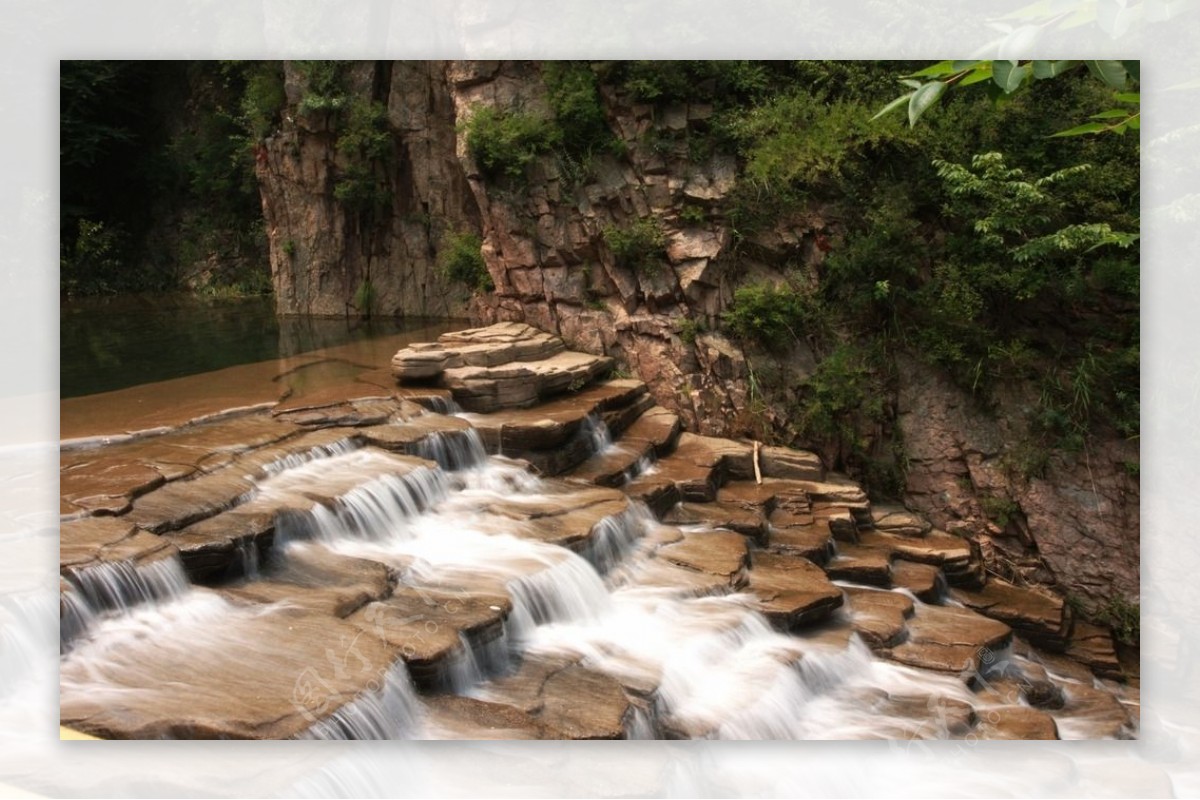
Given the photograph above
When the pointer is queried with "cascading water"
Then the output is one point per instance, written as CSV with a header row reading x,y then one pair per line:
x,y
595,428
116,587
711,666
453,450
294,460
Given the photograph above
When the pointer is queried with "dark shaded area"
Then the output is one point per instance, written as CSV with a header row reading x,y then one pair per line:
x,y
111,343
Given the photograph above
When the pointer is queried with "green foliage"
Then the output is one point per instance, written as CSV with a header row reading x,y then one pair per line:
x,y
1000,510
364,298
690,328
692,215
805,138
92,265
1124,617
770,316
503,143
263,99
665,82
638,246
460,259
324,89
1007,77
574,97
845,389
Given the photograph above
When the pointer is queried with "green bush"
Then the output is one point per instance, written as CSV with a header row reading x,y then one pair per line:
x,y
503,143
768,315
460,259
638,246
845,388
575,100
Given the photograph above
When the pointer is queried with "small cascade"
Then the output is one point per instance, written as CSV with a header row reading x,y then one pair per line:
x,y
596,429
641,724
453,450
440,404
614,538
646,465
295,460
75,617
379,509
116,587
475,663
393,711
568,592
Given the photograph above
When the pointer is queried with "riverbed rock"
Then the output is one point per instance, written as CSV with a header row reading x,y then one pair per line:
x,y
950,639
1040,617
315,578
792,591
731,516
879,617
303,668
433,628
719,553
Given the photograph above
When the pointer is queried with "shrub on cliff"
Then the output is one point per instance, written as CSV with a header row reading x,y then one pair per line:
x,y
768,315
637,246
503,143
460,259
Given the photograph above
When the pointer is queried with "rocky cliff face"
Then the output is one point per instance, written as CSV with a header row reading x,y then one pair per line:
x,y
545,247
322,253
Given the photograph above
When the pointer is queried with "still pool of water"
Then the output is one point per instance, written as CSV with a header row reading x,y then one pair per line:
x,y
113,343
138,362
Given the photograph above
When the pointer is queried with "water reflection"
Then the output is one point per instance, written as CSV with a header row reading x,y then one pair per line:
x,y
112,343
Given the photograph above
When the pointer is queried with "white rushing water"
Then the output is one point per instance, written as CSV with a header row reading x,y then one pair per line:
x,y
711,666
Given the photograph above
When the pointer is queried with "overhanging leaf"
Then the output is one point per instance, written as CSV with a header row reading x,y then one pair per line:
x,y
1079,130
1051,69
959,66
916,84
1008,75
1112,113
1128,97
1111,72
1134,68
922,99
936,70
899,101
977,75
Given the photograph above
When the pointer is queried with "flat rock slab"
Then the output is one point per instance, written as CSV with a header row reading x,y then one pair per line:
x,y
840,519
467,718
772,496
879,617
107,478
937,548
94,540
1041,617
489,346
950,639
610,467
568,700
660,493
719,553
520,384
812,541
899,521
783,462
1015,722
565,514
718,514
923,580
317,579
429,627
656,427
699,464
792,591
1093,645
189,677
860,564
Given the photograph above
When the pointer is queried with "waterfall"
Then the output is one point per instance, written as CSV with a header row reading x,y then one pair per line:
x,y
392,711
294,460
453,450
595,429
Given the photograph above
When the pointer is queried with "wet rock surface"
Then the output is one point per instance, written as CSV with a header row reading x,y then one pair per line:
x,y
375,575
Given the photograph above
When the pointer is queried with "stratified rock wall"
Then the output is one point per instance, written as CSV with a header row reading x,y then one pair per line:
x,y
322,253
